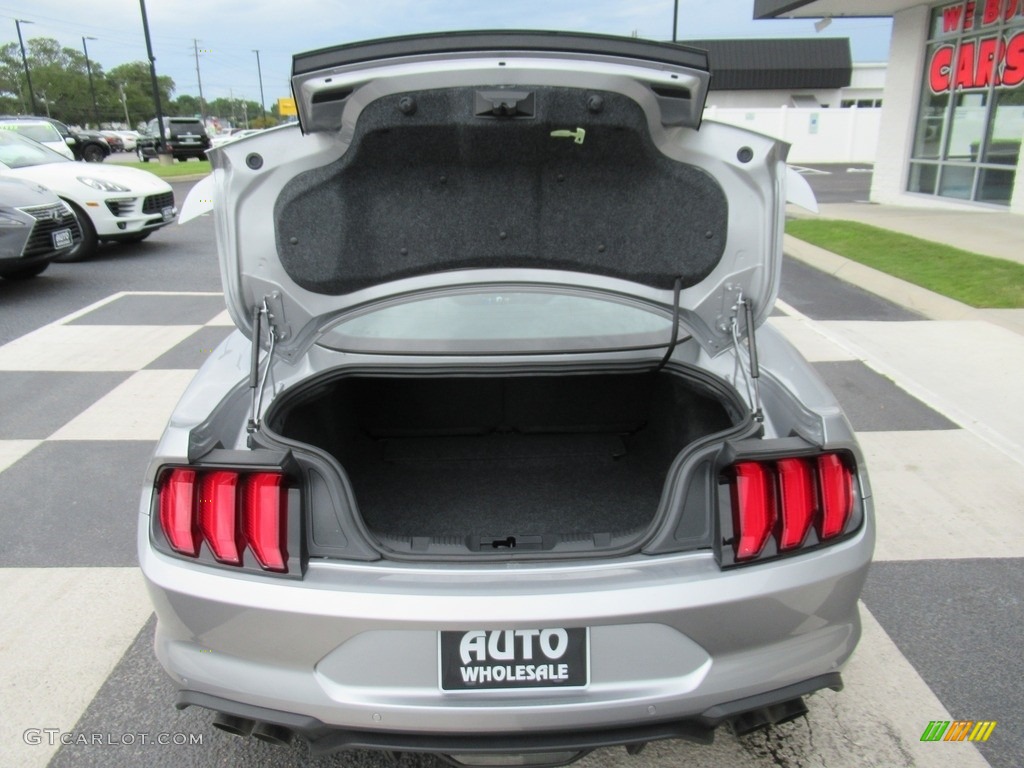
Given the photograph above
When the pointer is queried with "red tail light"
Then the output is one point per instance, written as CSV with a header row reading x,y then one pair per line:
x,y
229,511
836,495
218,518
265,517
785,498
753,509
796,491
176,518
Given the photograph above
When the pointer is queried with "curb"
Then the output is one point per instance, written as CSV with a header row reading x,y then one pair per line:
x,y
932,305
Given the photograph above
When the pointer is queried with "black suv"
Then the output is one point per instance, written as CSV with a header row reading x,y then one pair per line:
x,y
185,137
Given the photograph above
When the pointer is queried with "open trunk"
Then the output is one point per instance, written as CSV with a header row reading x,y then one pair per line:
x,y
488,463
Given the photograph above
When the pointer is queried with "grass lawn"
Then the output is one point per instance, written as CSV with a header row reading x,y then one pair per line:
x,y
979,281
187,168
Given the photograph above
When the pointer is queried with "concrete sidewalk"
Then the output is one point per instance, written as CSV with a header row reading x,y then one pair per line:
x,y
966,363
986,232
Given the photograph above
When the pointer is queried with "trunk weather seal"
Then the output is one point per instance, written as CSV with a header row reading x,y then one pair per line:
x,y
270,438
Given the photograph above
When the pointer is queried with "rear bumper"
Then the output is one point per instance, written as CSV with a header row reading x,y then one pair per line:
x,y
324,738
354,647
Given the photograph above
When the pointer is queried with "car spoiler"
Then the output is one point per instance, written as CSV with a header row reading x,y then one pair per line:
x,y
323,80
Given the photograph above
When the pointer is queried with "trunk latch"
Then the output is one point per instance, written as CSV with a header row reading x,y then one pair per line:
x,y
503,104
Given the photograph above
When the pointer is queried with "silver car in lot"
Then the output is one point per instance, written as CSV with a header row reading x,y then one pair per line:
x,y
503,463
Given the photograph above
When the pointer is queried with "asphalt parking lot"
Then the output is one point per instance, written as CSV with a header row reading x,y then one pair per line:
x,y
96,354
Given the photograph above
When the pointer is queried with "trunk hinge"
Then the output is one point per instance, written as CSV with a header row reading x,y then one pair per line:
x,y
752,376
271,312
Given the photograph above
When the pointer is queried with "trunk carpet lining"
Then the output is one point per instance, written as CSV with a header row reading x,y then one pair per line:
x,y
509,485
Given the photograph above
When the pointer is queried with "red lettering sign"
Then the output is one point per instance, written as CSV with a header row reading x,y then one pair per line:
x,y
1013,72
977,64
989,52
962,16
965,65
952,15
939,70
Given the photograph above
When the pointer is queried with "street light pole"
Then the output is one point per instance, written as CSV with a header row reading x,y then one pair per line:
x,y
92,90
675,21
259,71
152,77
24,60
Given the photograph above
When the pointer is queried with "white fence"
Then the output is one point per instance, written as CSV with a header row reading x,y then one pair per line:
x,y
816,135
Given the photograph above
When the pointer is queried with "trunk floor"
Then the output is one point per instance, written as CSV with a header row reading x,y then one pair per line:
x,y
498,485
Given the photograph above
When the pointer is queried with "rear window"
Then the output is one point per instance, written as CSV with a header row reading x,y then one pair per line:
x,y
501,322
18,152
41,132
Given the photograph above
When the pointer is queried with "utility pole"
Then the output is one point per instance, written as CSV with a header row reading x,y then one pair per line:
x,y
202,106
263,104
24,60
92,90
675,21
152,77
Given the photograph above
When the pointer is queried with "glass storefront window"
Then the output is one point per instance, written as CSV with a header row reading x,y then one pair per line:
x,y
967,127
970,122
923,177
1006,129
957,181
995,186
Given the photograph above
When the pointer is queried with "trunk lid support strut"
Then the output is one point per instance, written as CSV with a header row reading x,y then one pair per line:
x,y
256,383
753,375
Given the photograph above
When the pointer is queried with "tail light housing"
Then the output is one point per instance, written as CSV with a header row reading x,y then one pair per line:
x,y
243,518
788,505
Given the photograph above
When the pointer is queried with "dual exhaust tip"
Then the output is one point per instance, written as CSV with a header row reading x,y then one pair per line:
x,y
775,714
243,726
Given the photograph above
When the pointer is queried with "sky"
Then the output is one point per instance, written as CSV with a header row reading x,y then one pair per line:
x,y
227,32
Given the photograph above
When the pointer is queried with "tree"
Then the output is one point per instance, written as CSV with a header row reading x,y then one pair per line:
x,y
60,79
13,96
185,105
134,79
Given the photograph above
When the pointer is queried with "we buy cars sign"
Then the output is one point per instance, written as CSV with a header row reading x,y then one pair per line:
x,y
982,61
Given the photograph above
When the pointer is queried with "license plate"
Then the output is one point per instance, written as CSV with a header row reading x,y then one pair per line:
x,y
167,213
189,140
62,238
514,658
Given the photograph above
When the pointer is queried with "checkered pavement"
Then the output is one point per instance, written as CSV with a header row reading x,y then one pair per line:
x,y
87,397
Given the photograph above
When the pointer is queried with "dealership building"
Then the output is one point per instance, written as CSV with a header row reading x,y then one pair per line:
x,y
952,117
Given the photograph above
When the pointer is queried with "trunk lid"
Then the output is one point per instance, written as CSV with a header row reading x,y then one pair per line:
x,y
507,157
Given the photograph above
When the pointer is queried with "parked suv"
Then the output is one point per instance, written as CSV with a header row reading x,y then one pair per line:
x,y
185,137
503,461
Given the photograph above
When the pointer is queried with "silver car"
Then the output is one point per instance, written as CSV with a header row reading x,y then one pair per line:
x,y
502,462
